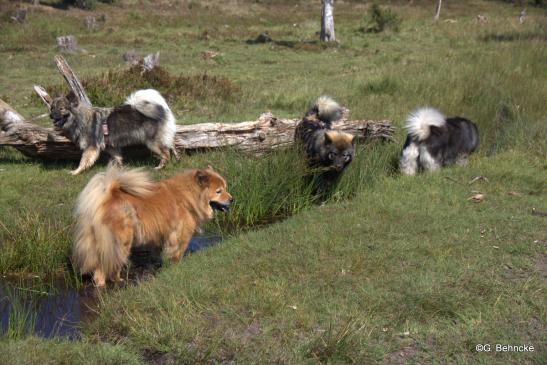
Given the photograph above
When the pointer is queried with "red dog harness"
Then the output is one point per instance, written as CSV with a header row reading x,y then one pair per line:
x,y
104,127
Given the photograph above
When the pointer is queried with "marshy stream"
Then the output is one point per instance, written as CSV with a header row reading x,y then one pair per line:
x,y
28,305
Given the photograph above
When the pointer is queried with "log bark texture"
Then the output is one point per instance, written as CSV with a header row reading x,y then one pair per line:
x,y
257,137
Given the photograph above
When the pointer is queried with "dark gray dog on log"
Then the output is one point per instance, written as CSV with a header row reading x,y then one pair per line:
x,y
328,151
144,119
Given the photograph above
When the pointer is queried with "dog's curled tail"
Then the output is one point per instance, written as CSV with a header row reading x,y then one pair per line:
x,y
418,124
150,103
326,109
96,245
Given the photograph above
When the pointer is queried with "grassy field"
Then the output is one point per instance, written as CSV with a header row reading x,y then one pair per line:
x,y
390,269
414,267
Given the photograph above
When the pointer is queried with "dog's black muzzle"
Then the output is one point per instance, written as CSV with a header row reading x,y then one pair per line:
x,y
221,206
58,121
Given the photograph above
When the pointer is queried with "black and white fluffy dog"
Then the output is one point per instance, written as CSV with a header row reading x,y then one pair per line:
x,y
435,141
144,119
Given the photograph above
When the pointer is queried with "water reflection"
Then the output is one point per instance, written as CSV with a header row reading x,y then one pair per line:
x,y
55,308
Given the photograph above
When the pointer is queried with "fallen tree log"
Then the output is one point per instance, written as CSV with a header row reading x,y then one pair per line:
x,y
257,137
254,137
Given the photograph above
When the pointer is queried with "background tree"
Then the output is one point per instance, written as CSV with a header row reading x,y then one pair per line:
x,y
327,21
438,12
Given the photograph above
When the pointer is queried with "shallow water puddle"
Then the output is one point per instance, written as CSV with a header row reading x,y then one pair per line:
x,y
44,309
200,242
49,309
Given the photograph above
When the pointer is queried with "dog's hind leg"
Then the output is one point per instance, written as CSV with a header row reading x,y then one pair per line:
x,y
165,156
90,155
175,153
116,155
427,161
162,152
409,159
117,277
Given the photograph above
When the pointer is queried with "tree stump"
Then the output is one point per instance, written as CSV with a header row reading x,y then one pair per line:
x,y
150,61
131,57
68,44
20,15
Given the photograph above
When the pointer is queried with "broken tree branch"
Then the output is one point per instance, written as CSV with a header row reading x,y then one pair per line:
x,y
72,80
42,93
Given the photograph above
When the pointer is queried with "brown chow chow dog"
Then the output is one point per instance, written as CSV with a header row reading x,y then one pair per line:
x,y
119,209
329,151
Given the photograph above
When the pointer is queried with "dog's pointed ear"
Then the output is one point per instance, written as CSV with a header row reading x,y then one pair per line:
x,y
202,178
72,99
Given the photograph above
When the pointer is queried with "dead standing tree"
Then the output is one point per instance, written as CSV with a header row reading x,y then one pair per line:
x,y
327,21
438,11
265,134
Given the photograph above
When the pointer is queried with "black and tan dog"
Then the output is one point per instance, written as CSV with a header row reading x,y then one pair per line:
x,y
434,141
144,118
328,151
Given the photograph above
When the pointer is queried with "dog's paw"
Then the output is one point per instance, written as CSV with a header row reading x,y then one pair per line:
x,y
74,172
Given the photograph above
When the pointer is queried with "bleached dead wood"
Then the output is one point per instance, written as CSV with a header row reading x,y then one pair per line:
x,y
438,10
150,61
92,23
33,140
42,93
257,137
522,16
327,21
69,44
73,82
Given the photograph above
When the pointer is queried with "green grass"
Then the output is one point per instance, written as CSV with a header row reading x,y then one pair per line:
x,y
344,283
39,351
34,244
388,264
21,319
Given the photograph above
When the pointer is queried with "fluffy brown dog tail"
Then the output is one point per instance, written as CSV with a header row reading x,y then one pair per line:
x,y
96,245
